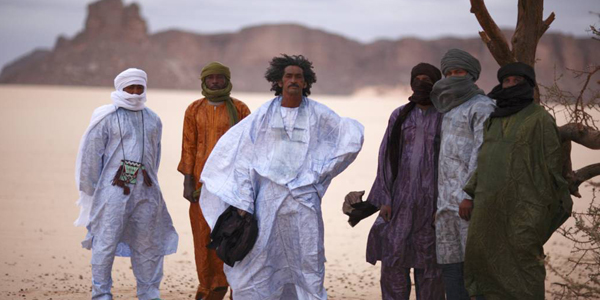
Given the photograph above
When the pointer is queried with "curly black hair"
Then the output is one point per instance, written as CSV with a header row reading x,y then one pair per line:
x,y
277,67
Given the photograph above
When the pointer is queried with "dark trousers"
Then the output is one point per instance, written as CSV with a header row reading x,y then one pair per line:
x,y
454,282
396,284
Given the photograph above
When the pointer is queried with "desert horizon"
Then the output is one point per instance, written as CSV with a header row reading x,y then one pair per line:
x,y
42,257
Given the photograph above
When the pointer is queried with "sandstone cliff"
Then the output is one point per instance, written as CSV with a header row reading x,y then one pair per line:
x,y
115,37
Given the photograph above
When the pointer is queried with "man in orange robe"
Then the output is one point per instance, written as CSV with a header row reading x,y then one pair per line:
x,y
206,120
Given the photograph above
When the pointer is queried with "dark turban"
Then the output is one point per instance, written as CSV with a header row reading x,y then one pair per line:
x,y
517,69
422,89
426,69
513,99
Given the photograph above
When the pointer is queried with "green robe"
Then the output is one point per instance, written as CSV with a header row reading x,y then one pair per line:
x,y
520,199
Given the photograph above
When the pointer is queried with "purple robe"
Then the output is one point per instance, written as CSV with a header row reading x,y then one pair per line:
x,y
408,240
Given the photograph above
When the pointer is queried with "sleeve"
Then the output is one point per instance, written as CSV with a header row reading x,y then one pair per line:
x,y
350,138
554,160
471,186
478,116
226,177
189,141
159,146
92,157
380,193
244,110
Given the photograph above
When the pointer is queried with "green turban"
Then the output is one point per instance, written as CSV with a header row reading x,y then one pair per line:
x,y
220,95
215,67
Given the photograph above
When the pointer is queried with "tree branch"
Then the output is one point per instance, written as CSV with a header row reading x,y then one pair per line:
x,y
528,30
587,137
495,41
580,134
586,173
547,23
485,38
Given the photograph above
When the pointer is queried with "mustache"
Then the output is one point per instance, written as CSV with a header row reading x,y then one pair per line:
x,y
294,84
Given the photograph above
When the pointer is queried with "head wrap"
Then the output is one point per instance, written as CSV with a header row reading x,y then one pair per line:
x,y
426,69
517,69
459,59
421,89
513,99
215,67
131,76
453,91
219,95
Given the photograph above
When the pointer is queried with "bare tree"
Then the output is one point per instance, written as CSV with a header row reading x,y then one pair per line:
x,y
580,273
530,28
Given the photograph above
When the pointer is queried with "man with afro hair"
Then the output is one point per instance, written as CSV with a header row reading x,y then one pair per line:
x,y
276,164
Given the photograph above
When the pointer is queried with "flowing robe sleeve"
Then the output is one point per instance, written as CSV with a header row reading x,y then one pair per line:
x,y
349,142
89,168
381,191
189,141
158,146
92,158
227,173
478,117
554,161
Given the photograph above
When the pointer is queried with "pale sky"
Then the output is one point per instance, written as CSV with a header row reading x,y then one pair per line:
x,y
29,24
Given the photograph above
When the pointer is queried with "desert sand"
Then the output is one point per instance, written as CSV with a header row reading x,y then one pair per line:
x,y
41,256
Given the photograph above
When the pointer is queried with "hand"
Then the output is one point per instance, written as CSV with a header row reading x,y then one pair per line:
x,y
465,208
241,212
354,197
189,186
385,211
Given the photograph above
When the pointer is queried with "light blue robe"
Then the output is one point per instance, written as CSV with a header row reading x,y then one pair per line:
x,y
257,167
462,136
137,225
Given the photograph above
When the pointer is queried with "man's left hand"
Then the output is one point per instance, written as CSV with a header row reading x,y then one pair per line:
x,y
465,208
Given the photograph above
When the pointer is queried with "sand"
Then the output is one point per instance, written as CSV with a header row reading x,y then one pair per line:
x,y
41,256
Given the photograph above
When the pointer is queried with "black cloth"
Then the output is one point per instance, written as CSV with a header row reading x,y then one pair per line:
x,y
517,69
359,211
233,235
513,99
426,69
422,89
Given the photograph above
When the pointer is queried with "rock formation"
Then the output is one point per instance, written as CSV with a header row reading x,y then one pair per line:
x,y
115,37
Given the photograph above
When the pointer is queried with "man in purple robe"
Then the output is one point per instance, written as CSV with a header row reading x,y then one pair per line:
x,y
405,192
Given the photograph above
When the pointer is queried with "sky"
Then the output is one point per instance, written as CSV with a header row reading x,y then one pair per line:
x,y
26,25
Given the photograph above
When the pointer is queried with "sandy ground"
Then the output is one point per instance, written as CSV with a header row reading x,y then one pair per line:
x,y
41,256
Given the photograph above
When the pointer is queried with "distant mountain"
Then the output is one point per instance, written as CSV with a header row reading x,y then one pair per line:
x,y
115,37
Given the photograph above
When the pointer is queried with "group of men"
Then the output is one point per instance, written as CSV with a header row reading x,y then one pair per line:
x,y
468,188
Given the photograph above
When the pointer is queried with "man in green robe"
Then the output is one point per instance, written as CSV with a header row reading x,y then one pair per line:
x,y
520,196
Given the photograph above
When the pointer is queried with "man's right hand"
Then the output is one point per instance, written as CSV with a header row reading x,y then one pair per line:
x,y
385,211
189,186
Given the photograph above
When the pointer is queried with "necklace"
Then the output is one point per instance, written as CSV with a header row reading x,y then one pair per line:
x,y
128,170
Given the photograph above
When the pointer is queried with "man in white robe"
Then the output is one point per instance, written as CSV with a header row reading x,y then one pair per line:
x,y
277,164
122,206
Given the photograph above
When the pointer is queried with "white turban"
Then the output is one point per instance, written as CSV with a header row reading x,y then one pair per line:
x,y
131,76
